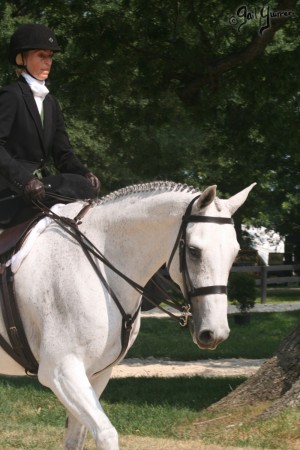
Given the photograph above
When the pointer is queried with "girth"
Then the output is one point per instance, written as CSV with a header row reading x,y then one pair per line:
x,y
19,349
10,242
17,346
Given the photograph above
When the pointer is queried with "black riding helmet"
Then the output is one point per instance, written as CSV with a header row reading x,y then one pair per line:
x,y
31,37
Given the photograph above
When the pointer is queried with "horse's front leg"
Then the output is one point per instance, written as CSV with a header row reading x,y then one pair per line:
x,y
75,431
70,384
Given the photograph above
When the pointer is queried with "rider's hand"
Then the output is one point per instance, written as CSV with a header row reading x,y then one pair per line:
x,y
93,180
34,189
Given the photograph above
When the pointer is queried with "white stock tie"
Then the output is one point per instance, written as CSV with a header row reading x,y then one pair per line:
x,y
38,89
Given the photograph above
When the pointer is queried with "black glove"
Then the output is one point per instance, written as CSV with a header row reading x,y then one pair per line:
x,y
34,190
93,180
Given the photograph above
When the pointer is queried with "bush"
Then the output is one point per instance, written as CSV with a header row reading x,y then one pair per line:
x,y
242,291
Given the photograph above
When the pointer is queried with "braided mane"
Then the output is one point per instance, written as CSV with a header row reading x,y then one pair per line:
x,y
148,187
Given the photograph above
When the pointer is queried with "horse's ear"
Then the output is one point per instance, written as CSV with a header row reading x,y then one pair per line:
x,y
207,197
233,203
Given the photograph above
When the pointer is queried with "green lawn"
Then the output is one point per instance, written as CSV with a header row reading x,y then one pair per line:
x,y
30,414
31,418
282,295
165,338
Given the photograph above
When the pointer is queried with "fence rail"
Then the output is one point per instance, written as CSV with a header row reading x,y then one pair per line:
x,y
264,280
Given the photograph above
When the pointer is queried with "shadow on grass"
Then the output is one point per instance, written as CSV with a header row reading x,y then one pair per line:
x,y
21,382
192,393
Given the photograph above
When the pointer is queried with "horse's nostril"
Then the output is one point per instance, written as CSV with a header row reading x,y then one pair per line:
x,y
206,336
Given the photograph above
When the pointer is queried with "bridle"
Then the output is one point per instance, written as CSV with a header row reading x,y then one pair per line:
x,y
189,291
91,252
71,226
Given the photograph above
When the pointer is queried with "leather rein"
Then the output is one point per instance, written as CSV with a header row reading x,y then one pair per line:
x,y
70,226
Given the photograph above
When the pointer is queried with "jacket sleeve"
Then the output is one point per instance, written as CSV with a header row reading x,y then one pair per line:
x,y
63,155
10,169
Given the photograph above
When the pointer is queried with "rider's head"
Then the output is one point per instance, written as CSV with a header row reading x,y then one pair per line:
x,y
31,48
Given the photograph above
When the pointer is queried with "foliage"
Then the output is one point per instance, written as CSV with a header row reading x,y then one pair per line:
x,y
242,290
170,90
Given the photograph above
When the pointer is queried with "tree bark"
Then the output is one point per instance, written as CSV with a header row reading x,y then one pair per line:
x,y
278,380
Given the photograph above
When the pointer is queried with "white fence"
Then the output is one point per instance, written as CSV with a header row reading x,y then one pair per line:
x,y
263,279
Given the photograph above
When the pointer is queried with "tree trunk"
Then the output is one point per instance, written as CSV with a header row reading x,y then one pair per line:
x,y
278,380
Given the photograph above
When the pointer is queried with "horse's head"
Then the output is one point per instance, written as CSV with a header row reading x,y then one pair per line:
x,y
207,250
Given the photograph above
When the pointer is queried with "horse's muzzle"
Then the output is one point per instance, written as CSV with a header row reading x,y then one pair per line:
x,y
206,338
208,341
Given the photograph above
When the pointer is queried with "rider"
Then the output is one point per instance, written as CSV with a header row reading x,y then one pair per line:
x,y
32,130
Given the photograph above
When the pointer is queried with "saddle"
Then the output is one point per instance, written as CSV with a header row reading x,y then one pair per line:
x,y
11,241
18,348
11,237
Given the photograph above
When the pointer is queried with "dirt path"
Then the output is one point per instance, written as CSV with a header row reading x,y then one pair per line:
x,y
152,367
144,443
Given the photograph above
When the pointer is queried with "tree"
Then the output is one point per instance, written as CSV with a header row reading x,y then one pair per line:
x,y
277,380
197,102
174,90
166,89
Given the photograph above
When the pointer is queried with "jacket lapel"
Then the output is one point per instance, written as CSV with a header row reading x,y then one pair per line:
x,y
47,106
32,108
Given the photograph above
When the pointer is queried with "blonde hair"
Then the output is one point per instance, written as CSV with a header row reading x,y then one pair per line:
x,y
20,61
19,71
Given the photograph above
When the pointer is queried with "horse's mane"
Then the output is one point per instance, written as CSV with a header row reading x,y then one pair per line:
x,y
153,186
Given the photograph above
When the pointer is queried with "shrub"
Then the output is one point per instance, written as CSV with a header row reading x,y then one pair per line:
x,y
242,291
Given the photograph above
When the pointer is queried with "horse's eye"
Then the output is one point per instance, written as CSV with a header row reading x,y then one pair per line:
x,y
195,252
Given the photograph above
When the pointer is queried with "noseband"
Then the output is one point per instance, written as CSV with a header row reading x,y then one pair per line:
x,y
71,227
189,290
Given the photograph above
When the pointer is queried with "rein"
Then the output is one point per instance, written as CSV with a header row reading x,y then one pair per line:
x,y
71,227
90,251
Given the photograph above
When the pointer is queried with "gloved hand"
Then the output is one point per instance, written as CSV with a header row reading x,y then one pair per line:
x,y
93,180
34,190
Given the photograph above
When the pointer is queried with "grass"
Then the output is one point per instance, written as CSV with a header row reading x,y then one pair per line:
x,y
282,295
260,339
31,418
242,427
140,406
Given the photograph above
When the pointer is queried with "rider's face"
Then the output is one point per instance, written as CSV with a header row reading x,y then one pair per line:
x,y
39,63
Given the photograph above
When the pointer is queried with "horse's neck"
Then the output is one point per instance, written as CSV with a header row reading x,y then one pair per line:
x,y
139,231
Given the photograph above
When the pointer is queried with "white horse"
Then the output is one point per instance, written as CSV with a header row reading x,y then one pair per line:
x,y
73,324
